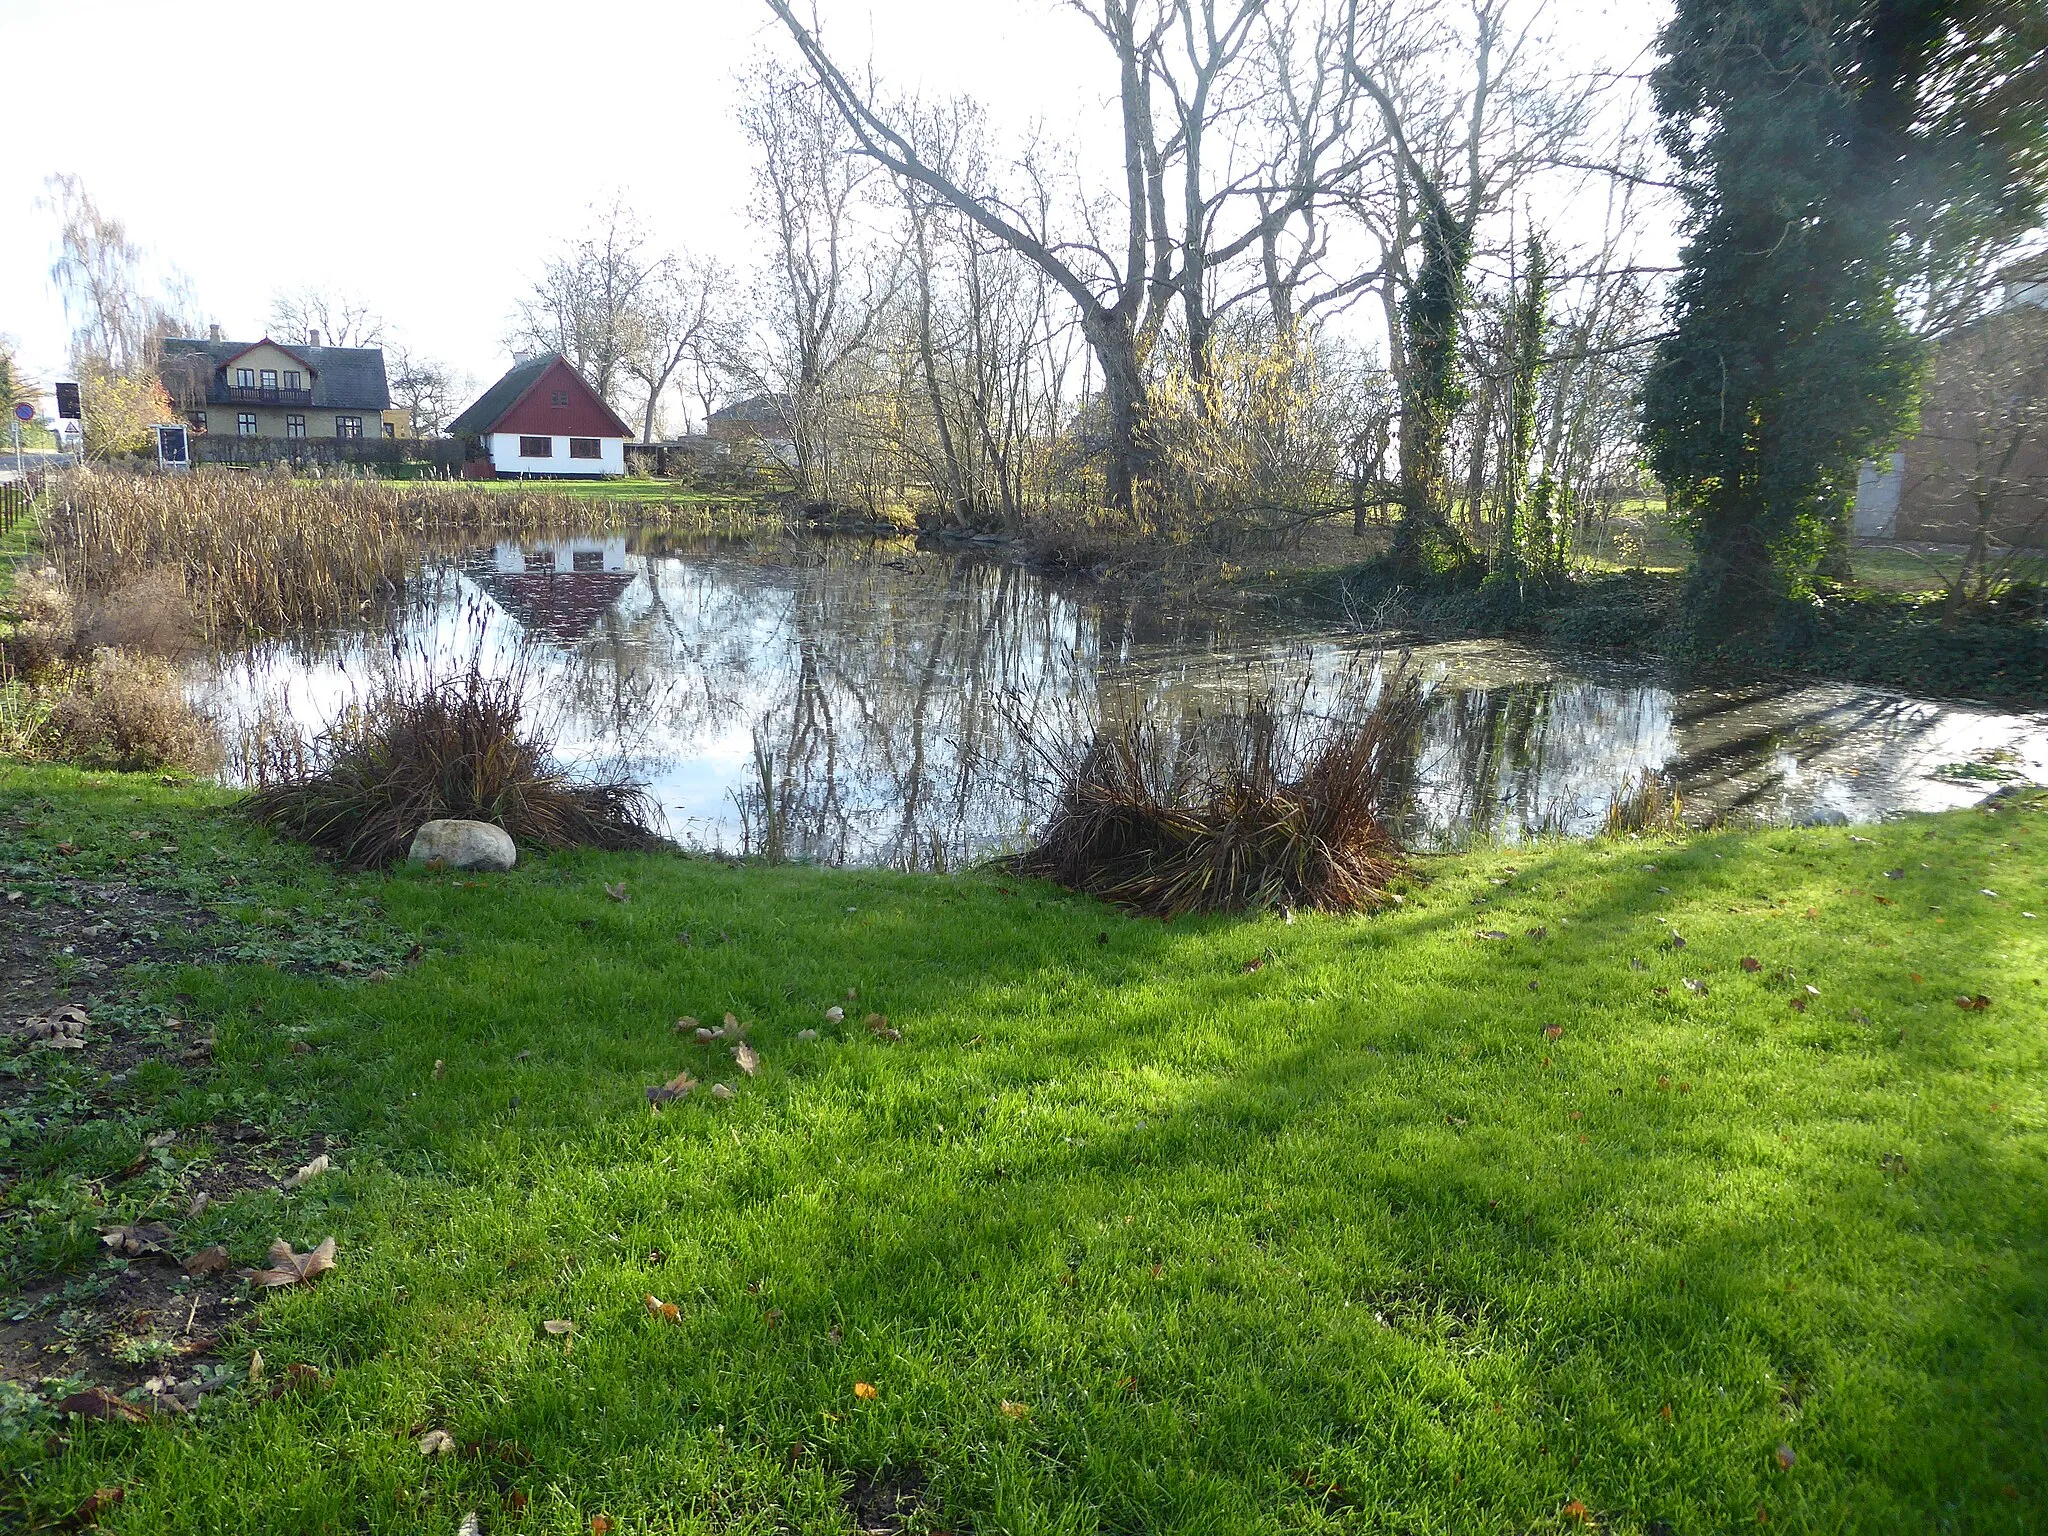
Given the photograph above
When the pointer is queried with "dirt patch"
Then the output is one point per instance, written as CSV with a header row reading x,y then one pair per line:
x,y
887,1502
73,1035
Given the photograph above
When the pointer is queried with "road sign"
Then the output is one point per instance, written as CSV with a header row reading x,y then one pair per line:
x,y
24,412
67,403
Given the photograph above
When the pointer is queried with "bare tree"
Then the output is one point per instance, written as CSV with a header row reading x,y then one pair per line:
x,y
587,303
679,322
828,283
429,392
117,319
1187,100
336,319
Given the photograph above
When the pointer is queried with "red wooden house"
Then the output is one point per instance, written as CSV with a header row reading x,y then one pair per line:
x,y
542,418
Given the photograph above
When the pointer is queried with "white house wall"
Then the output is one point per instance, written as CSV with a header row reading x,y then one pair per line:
x,y
506,458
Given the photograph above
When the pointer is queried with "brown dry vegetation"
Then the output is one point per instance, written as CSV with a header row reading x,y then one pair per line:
x,y
1262,806
264,553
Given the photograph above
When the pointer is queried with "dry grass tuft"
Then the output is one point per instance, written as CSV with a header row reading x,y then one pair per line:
x,y
427,748
1650,803
119,711
1261,806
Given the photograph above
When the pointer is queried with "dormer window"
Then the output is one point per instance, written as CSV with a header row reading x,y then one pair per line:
x,y
269,377
561,398
291,380
245,378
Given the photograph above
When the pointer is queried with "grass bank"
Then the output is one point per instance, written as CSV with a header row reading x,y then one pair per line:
x,y
1501,1212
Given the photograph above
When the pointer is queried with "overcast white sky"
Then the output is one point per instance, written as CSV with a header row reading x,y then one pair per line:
x,y
428,156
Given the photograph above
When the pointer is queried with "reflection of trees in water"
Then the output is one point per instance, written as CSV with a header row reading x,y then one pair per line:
x,y
910,712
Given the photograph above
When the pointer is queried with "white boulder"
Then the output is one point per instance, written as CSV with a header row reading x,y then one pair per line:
x,y
464,845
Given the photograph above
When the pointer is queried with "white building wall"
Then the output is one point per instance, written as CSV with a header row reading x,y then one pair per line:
x,y
1877,498
506,458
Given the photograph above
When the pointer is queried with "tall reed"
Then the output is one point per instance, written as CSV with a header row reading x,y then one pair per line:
x,y
264,553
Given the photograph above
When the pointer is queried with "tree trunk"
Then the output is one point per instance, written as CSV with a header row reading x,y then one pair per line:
x,y
1131,452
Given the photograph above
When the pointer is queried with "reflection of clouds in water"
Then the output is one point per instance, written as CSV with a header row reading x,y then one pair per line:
x,y
903,713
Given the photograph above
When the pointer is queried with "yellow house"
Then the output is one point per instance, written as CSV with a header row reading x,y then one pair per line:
x,y
267,389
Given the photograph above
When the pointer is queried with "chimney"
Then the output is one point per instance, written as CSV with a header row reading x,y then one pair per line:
x,y
312,338
213,332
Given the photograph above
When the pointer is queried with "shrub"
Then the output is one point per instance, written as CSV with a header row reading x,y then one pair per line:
x,y
1263,805
123,712
425,748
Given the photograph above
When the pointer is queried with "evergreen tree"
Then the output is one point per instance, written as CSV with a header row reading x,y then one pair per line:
x,y
1816,141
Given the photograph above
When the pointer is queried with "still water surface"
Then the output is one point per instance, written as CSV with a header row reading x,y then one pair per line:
x,y
880,705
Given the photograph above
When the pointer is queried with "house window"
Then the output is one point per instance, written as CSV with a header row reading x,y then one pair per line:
x,y
536,447
245,424
199,421
561,398
245,378
269,377
585,448
294,426
348,426
291,380
391,429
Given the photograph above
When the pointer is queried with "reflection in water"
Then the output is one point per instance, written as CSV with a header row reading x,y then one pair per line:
x,y
850,705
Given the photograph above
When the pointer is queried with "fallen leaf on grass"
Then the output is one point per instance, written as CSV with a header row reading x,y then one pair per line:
x,y
1786,1456
1553,1031
1697,988
687,1025
617,892
1010,1410
440,1068
666,1311
436,1442
297,1378
865,1392
1798,1004
255,1366
134,1242
1539,933
677,1087
558,1326
98,1503
309,1173
807,1034
207,1261
1751,963
1257,963
878,1026
835,1015
99,1403
722,1093
289,1268
1976,1004
471,1525
1491,933
600,1525
1575,1510
746,1058
1677,941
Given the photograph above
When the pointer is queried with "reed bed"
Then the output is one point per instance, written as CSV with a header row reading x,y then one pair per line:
x,y
266,553
1263,805
1649,803
422,748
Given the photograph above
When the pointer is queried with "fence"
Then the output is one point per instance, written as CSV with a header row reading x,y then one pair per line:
x,y
443,455
15,497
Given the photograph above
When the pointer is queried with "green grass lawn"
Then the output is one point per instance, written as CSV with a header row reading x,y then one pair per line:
x,y
1220,1226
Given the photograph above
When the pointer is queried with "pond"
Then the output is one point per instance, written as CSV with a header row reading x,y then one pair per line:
x,y
877,704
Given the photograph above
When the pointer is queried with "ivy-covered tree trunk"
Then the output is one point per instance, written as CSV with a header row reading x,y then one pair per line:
x,y
1824,148
1789,363
1432,393
1525,345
